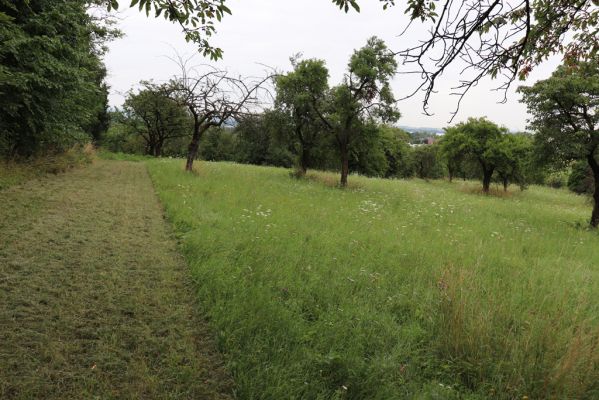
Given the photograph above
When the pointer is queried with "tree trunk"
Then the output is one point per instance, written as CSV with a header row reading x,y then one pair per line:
x,y
595,167
150,149
344,166
505,183
304,161
158,150
192,149
487,175
192,152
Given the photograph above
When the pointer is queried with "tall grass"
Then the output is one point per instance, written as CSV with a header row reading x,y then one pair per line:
x,y
13,172
390,289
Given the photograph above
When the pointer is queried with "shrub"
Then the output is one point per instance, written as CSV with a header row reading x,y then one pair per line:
x,y
13,172
557,179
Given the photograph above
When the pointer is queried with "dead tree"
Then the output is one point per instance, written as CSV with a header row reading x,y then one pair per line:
x,y
214,98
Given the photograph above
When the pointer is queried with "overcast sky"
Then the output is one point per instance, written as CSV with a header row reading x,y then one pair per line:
x,y
270,31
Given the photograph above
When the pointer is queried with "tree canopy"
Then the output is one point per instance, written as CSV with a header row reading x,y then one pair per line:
x,y
364,95
480,141
156,117
51,75
300,94
565,115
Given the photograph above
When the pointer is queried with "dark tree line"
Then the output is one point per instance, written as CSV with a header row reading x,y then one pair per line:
x,y
52,90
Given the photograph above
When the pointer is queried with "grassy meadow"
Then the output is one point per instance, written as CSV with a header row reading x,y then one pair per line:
x,y
389,289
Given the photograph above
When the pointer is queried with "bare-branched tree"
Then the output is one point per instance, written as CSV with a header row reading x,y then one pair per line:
x,y
498,38
214,98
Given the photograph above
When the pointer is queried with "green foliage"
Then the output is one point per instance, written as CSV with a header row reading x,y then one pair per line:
x,y
452,151
51,91
369,156
256,143
557,179
364,97
301,94
394,142
480,141
219,144
427,163
196,18
119,156
151,114
120,137
392,290
564,109
513,161
581,178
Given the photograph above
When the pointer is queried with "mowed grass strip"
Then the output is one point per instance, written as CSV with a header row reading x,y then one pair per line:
x,y
389,289
95,302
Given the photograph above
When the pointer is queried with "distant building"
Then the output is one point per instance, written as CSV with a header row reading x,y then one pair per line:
x,y
424,141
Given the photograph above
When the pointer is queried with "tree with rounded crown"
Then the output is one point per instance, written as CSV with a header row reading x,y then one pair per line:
x,y
479,140
155,117
514,152
299,94
565,118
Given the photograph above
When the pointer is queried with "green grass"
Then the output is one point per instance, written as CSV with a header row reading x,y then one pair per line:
x,y
108,155
95,301
16,172
390,289
12,173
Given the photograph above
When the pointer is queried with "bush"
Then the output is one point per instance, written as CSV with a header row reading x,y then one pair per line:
x,y
557,179
14,172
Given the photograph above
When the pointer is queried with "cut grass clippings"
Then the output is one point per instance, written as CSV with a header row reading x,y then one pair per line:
x,y
95,302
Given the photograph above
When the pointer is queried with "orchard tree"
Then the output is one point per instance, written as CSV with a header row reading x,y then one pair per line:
x,y
479,140
155,117
364,96
451,149
565,117
258,140
213,99
426,163
300,94
581,180
513,154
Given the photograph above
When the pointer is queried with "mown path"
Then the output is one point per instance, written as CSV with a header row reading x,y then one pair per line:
x,y
95,302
